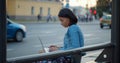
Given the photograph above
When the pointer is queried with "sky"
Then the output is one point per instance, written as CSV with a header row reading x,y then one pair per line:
x,y
82,3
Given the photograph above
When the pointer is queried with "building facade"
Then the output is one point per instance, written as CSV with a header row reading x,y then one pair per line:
x,y
30,9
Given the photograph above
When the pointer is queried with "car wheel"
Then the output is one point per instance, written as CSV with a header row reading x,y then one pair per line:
x,y
19,36
101,26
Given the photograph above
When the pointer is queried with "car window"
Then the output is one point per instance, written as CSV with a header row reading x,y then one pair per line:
x,y
8,22
109,17
104,17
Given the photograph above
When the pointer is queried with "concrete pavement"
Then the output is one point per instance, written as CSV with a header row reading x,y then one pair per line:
x,y
91,56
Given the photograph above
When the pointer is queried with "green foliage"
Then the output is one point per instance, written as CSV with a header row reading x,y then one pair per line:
x,y
100,12
102,6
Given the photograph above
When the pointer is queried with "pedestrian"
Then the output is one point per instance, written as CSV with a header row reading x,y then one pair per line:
x,y
39,17
49,17
87,15
74,36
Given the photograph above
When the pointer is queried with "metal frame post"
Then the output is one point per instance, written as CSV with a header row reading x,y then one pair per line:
x,y
115,34
116,30
113,54
2,31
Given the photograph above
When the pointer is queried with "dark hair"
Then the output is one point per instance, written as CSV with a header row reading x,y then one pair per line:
x,y
67,13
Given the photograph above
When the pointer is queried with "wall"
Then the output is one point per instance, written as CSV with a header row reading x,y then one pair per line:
x,y
21,9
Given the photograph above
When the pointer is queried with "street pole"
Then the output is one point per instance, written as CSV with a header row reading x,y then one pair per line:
x,y
2,31
115,38
87,12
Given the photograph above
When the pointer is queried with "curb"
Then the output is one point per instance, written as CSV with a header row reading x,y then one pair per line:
x,y
55,22
87,23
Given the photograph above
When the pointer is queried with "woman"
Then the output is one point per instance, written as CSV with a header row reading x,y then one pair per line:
x,y
74,37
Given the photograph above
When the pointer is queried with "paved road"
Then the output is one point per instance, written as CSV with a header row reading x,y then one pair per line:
x,y
53,33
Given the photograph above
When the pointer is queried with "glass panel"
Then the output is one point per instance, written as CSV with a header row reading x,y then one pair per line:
x,y
37,26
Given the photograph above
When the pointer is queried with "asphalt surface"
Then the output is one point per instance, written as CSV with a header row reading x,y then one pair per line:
x,y
52,34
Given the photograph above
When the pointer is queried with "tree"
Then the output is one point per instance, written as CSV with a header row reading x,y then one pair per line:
x,y
103,6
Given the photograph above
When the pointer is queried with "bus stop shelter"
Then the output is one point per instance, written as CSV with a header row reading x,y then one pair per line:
x,y
112,48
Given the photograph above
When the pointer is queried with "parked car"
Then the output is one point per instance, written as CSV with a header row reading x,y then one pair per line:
x,y
15,31
105,21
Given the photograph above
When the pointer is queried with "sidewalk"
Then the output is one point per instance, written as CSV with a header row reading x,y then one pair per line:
x,y
90,56
91,22
41,22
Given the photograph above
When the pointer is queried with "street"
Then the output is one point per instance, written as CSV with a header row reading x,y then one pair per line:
x,y
53,34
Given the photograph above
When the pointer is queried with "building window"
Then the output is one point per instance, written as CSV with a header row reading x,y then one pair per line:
x,y
57,0
18,6
32,10
48,11
41,10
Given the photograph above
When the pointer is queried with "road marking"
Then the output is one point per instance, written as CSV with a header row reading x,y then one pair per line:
x,y
91,39
88,35
10,50
37,46
107,41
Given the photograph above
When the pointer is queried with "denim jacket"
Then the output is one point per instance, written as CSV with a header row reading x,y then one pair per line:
x,y
73,38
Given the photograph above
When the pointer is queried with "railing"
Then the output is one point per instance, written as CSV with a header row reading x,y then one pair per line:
x,y
44,56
